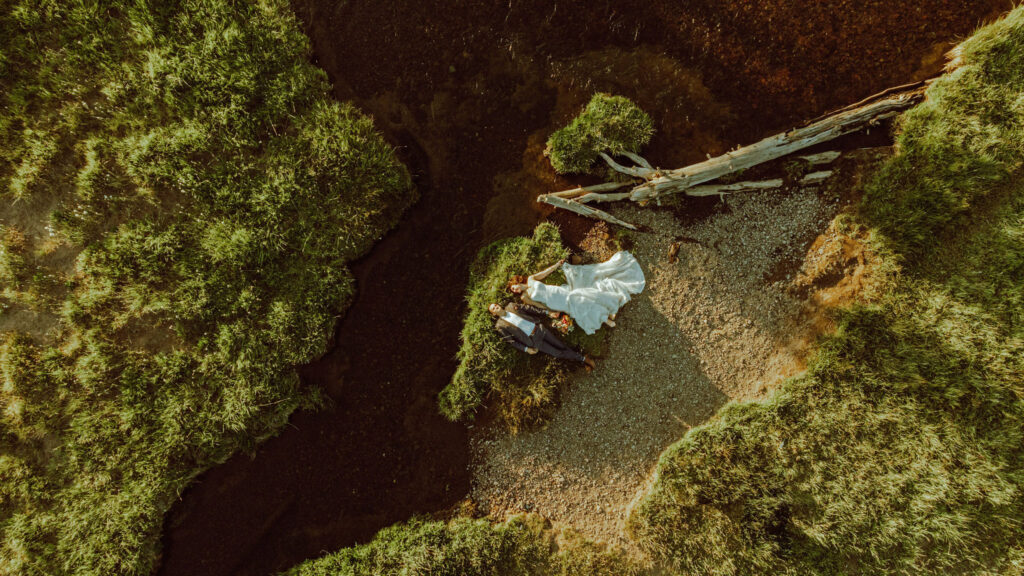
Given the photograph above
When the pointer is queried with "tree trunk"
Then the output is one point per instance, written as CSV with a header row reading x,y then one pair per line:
x,y
862,115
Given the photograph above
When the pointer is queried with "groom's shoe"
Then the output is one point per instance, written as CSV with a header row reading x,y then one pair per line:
x,y
588,362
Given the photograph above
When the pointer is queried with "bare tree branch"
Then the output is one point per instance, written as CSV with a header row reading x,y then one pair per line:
x,y
583,210
606,187
637,158
635,172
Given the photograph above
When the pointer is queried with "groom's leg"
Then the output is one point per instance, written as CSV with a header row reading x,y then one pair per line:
x,y
551,338
548,343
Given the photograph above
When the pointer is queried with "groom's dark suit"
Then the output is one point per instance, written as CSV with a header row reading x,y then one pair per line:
x,y
543,338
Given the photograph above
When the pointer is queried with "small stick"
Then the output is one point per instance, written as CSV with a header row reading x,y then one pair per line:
x,y
637,158
823,158
815,178
636,172
580,191
583,210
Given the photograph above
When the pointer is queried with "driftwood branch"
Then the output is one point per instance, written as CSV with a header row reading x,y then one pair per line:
x,y
815,178
583,210
635,172
583,190
718,189
637,158
823,158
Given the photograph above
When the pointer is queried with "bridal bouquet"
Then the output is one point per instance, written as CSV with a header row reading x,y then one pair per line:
x,y
564,324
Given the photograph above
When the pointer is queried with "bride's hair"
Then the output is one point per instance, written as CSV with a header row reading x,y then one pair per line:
x,y
515,280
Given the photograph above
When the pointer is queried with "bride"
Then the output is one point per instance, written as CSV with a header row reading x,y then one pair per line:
x,y
592,293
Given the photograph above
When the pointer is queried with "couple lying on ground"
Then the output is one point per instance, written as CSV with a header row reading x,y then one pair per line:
x,y
592,295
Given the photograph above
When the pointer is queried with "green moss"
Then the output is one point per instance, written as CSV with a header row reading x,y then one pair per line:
x,y
900,450
609,124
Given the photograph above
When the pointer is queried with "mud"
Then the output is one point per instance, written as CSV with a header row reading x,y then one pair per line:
x,y
468,91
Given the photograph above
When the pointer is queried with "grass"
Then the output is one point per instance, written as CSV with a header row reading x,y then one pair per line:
x,y
521,546
181,194
524,387
901,450
609,124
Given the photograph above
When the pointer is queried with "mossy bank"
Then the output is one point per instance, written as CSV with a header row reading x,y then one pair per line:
x,y
180,198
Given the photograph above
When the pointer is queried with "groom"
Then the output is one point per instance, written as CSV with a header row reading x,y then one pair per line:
x,y
523,327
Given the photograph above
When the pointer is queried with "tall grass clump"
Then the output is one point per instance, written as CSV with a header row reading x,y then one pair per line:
x,y
522,546
901,450
181,195
524,387
523,384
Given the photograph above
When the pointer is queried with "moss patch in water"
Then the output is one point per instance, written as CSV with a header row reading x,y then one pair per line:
x,y
609,124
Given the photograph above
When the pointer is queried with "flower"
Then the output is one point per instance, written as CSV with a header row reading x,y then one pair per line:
x,y
564,324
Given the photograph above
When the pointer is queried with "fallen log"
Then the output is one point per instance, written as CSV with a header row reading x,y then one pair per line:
x,y
692,180
848,120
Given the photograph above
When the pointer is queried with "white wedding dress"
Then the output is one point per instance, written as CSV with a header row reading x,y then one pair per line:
x,y
592,292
